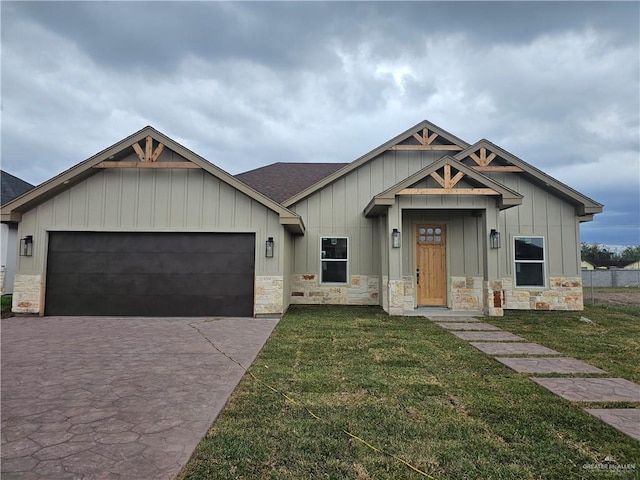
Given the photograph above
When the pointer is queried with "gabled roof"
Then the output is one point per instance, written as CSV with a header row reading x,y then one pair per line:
x,y
282,180
12,211
505,197
12,187
410,135
585,205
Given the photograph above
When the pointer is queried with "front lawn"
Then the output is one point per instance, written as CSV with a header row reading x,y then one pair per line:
x,y
6,305
414,390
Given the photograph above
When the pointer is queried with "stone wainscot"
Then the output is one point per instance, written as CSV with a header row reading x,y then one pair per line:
x,y
306,289
269,295
27,294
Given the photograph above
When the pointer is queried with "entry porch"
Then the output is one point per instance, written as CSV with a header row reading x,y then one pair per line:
x,y
441,244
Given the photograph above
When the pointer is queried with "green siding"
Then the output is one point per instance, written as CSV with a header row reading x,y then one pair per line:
x,y
152,200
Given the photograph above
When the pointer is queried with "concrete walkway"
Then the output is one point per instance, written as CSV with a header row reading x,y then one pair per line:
x,y
539,359
115,398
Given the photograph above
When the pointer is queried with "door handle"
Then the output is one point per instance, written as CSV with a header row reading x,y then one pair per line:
x,y
417,276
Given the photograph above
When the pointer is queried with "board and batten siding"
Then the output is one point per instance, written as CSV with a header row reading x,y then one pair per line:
x,y
541,214
156,200
336,210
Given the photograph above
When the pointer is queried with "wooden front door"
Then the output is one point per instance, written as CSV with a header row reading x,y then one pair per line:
x,y
431,274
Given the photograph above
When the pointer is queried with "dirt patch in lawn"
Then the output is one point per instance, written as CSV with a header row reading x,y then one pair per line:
x,y
616,298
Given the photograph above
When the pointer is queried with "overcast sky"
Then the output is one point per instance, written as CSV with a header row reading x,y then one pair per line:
x,y
247,84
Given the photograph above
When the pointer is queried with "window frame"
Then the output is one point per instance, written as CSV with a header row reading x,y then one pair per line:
x,y
345,260
542,262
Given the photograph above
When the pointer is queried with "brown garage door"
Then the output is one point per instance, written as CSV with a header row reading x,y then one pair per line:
x,y
150,274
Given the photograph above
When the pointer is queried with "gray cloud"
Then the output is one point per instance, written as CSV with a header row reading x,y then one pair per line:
x,y
245,84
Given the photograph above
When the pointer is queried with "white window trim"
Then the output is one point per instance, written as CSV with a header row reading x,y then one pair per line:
x,y
543,262
346,260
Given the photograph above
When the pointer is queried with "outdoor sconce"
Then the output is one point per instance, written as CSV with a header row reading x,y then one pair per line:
x,y
268,252
395,238
494,239
26,246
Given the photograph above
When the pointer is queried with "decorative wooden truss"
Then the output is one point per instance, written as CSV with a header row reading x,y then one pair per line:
x,y
147,155
426,143
148,158
447,182
483,160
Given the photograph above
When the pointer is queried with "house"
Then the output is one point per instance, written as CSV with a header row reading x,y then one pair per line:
x,y
147,227
587,265
11,187
634,265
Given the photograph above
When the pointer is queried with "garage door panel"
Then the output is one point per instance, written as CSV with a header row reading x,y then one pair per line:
x,y
150,242
183,274
77,262
155,306
132,262
139,284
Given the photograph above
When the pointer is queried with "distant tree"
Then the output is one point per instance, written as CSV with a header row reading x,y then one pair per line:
x,y
596,253
599,254
630,254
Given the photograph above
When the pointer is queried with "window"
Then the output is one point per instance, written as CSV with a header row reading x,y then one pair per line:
x,y
334,258
529,259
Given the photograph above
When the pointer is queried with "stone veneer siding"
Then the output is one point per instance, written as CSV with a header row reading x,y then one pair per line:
x,y
306,289
396,297
269,295
400,295
561,293
409,293
467,293
385,293
27,294
494,296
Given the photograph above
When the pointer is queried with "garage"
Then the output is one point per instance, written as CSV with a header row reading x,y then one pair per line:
x,y
150,274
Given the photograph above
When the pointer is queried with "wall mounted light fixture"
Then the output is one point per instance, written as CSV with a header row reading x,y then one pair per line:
x,y
268,252
395,238
494,239
26,246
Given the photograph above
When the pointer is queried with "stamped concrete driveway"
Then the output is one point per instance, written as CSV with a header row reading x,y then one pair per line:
x,y
115,398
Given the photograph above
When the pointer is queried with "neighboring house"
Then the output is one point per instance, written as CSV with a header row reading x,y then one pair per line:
x,y
11,187
147,227
587,265
633,265
605,264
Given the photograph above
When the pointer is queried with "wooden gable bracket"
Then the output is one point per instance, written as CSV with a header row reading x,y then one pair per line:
x,y
148,155
447,182
148,158
426,143
484,160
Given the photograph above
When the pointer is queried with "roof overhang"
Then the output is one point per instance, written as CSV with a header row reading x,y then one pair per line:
x,y
585,206
12,211
505,197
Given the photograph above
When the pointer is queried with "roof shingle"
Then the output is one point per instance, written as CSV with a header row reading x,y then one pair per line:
x,y
282,180
11,187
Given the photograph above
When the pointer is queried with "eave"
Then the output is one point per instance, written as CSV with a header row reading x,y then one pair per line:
x,y
585,206
12,211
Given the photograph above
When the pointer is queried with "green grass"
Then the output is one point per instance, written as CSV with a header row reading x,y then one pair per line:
x,y
6,304
610,342
416,391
